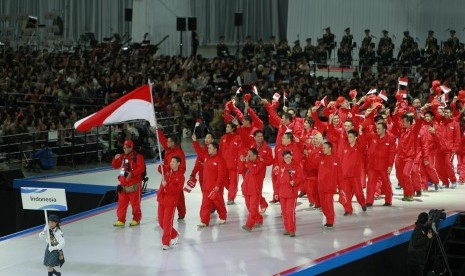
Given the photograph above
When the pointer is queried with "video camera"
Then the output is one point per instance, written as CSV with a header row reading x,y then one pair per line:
x,y
436,215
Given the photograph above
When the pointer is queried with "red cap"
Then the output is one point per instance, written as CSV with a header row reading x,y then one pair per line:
x,y
128,143
340,100
461,95
435,84
353,93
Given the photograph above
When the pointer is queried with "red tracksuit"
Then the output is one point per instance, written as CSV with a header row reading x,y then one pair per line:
x,y
230,150
450,141
169,153
275,121
246,133
266,154
167,197
353,158
252,189
310,165
288,194
279,161
329,178
406,154
215,175
461,158
429,144
305,143
381,153
198,166
136,168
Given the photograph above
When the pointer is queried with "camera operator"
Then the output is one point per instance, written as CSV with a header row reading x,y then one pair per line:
x,y
418,245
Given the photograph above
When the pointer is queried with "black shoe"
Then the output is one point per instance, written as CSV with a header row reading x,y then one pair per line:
x,y
347,213
301,195
286,233
387,204
180,218
364,208
418,193
291,235
329,226
369,205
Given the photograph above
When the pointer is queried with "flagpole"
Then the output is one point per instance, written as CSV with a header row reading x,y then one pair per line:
x,y
156,132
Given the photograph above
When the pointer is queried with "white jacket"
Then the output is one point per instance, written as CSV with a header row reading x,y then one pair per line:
x,y
58,237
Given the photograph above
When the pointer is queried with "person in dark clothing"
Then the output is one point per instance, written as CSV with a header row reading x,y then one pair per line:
x,y
418,245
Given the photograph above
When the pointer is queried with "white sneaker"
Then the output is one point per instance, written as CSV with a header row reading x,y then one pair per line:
x,y
165,247
174,241
221,221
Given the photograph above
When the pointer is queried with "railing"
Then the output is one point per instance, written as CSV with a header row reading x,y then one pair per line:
x,y
71,147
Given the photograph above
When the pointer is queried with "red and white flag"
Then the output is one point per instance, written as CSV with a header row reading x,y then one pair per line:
x,y
136,105
383,95
324,101
372,91
445,89
255,90
197,122
276,96
239,90
285,94
403,81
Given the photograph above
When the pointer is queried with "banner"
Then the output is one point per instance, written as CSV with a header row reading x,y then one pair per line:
x,y
44,199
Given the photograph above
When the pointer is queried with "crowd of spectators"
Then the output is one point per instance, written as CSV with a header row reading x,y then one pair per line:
x,y
48,91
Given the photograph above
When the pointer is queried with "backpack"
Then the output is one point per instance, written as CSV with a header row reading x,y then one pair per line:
x,y
134,159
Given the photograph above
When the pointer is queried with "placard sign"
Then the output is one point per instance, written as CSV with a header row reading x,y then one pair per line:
x,y
44,199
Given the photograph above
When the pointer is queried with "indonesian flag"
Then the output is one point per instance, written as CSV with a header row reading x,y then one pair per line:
x,y
239,90
276,96
372,91
324,101
445,89
383,95
197,122
255,90
285,94
136,105
403,81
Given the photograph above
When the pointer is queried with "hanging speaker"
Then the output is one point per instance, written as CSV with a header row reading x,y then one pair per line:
x,y
180,24
192,23
238,19
128,15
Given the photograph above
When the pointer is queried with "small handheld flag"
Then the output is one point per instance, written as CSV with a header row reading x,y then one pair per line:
x,y
403,81
197,123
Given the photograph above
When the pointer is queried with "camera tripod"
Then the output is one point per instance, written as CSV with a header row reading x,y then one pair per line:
x,y
441,248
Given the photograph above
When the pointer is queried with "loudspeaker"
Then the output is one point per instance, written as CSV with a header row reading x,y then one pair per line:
x,y
180,24
238,19
128,15
7,176
192,23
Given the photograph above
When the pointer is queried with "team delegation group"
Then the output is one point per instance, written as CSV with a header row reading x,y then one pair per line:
x,y
363,143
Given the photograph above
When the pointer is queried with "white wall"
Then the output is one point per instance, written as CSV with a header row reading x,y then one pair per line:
x,y
158,18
